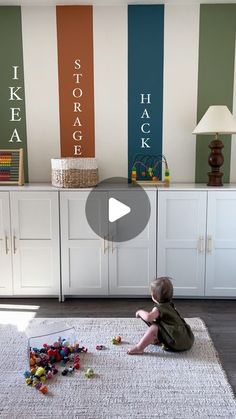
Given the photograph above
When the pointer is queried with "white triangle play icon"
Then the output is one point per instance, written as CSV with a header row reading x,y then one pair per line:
x,y
117,209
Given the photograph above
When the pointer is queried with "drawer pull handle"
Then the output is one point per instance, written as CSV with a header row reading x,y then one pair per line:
x,y
112,245
6,245
201,244
209,244
104,245
14,244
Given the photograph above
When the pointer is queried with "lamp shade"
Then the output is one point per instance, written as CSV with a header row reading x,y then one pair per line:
x,y
217,119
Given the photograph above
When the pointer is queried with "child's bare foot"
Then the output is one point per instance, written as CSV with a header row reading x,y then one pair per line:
x,y
135,350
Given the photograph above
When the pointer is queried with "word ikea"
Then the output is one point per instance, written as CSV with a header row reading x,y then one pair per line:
x,y
14,96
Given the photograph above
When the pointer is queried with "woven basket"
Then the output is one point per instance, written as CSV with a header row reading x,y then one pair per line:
x,y
74,172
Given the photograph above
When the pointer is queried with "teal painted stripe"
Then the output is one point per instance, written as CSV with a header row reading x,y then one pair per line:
x,y
12,97
145,76
215,77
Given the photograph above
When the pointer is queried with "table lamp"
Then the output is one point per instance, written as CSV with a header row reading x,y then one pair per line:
x,y
217,120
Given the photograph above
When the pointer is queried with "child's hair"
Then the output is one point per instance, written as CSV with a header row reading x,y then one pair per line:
x,y
162,289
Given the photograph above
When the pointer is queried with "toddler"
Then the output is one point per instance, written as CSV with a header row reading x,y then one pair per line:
x,y
166,326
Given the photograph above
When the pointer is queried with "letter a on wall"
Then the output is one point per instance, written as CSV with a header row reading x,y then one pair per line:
x,y
76,85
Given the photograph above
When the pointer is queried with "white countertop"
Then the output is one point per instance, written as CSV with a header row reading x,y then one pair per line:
x,y
172,187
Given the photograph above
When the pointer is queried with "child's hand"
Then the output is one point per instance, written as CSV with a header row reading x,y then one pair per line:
x,y
137,314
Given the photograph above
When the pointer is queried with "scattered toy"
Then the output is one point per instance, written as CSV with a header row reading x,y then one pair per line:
x,y
116,340
89,373
100,347
42,362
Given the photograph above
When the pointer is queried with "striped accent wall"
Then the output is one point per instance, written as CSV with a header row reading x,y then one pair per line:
x,y
195,46
145,82
76,91
215,76
12,92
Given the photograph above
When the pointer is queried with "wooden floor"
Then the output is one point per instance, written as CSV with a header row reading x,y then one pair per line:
x,y
218,315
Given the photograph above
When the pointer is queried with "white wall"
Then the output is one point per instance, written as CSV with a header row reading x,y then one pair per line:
x,y
41,90
233,143
180,89
110,90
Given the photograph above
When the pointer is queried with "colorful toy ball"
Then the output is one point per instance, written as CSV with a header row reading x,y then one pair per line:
x,y
35,382
29,381
54,370
116,340
65,371
43,389
49,375
89,373
39,372
38,386
100,347
27,374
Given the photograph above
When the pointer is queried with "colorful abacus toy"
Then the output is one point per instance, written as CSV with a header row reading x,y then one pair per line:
x,y
11,167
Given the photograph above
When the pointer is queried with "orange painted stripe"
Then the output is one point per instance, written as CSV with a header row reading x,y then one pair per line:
x,y
76,85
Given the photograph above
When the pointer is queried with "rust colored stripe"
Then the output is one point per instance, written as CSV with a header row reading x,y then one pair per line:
x,y
76,88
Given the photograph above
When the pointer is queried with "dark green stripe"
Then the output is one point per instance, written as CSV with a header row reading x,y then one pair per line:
x,y
11,54
215,76
145,76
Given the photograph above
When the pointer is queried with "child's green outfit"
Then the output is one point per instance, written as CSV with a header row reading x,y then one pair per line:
x,y
173,331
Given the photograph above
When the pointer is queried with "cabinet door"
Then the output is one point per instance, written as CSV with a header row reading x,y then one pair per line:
x,y
132,264
181,235
84,253
5,246
35,243
221,244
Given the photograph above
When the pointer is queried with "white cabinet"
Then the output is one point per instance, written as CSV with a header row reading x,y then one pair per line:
x,y
84,254
197,242
221,244
132,264
181,235
6,287
31,243
94,265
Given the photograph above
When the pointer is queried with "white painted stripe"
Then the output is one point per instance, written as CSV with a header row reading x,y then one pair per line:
x,y
41,89
110,84
181,38
233,143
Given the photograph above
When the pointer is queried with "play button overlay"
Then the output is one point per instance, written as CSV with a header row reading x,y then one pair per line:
x,y
116,210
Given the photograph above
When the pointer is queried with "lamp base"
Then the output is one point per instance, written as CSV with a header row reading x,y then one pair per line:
x,y
215,179
216,159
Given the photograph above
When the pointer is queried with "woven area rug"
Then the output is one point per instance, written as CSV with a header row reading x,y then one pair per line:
x,y
157,384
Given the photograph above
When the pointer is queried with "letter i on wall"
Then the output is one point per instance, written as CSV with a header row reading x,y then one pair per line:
x,y
76,85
